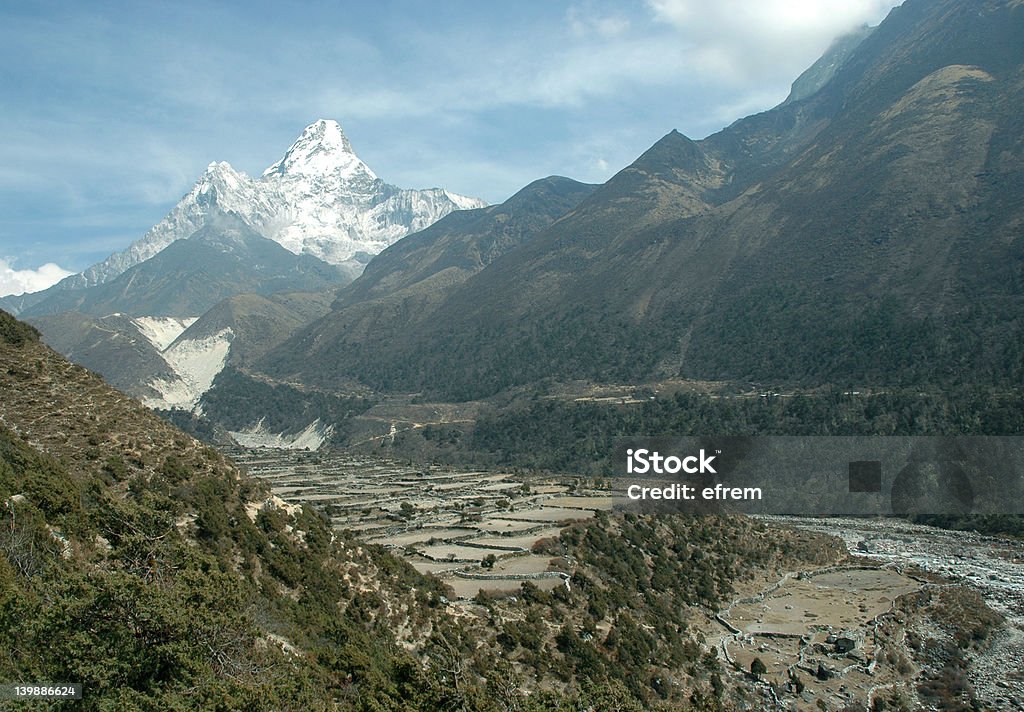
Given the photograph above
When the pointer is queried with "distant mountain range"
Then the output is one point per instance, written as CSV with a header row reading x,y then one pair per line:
x,y
134,328
402,287
319,199
307,226
222,258
138,328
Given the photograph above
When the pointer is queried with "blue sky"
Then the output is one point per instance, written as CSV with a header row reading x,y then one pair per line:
x,y
113,109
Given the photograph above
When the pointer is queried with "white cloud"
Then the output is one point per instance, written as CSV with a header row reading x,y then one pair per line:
x,y
750,49
20,281
741,41
771,16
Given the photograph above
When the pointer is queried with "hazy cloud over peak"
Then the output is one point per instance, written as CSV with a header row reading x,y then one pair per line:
x,y
740,41
770,19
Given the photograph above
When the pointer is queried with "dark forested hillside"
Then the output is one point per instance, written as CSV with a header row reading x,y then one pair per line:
x,y
402,286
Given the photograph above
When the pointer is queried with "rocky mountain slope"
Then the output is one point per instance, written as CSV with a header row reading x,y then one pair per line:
x,y
401,286
135,344
865,232
464,243
169,362
219,260
133,329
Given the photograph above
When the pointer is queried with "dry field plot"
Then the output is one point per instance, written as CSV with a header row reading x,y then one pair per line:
x,y
456,552
367,528
520,541
523,565
605,503
824,619
548,514
417,536
467,588
437,567
505,526
841,599
500,487
439,519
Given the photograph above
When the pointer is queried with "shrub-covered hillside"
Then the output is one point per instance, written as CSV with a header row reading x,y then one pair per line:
x,y
147,567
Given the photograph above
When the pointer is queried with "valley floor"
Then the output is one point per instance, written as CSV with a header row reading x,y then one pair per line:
x,y
852,632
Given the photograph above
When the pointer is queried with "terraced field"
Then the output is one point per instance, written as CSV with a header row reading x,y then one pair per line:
x,y
443,521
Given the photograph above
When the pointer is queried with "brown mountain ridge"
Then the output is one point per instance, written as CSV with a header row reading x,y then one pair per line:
x,y
867,232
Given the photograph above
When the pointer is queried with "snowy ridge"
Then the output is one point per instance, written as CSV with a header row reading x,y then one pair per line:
x,y
161,331
462,201
320,199
311,438
195,362
219,189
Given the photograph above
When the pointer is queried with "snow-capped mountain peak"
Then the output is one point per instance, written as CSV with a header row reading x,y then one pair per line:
x,y
218,167
319,199
322,149
219,175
